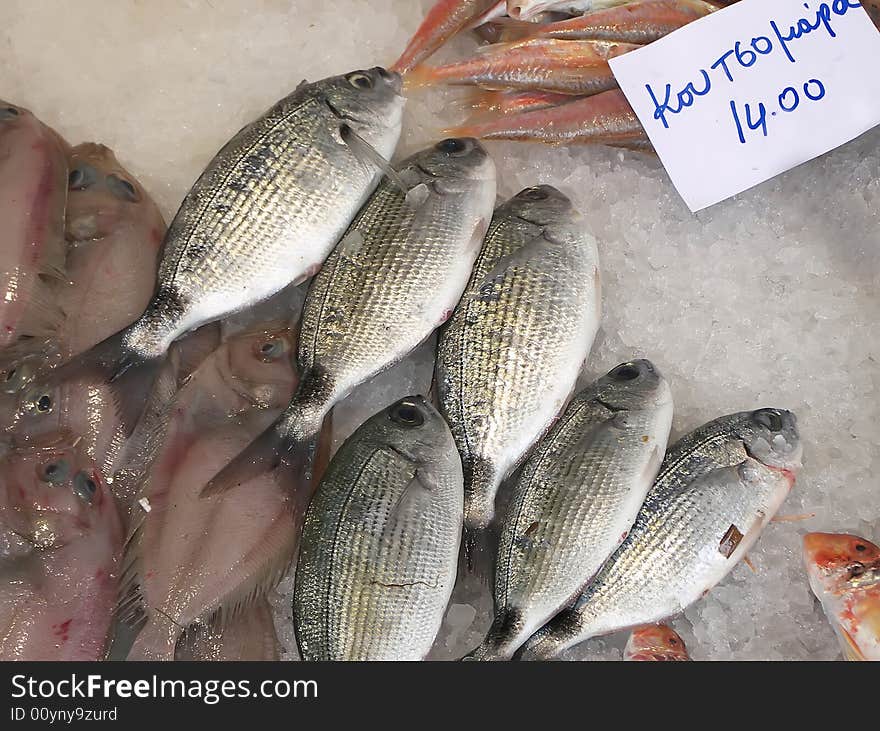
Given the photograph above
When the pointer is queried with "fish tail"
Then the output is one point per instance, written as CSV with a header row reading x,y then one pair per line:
x,y
501,639
477,554
512,29
420,77
156,641
282,445
557,635
130,375
480,486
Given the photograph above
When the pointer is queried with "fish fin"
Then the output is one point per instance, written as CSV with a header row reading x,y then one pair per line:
x,y
851,650
271,450
516,30
324,450
500,641
419,77
194,348
156,640
253,637
417,196
369,156
748,562
42,317
477,554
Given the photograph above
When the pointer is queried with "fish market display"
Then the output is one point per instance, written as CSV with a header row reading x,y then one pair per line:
x,y
191,557
655,643
844,574
539,64
716,491
510,355
576,499
394,278
114,232
33,194
60,546
380,542
266,212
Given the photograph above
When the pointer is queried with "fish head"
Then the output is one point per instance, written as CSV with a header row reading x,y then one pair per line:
x,y
369,101
771,437
840,562
452,165
100,192
655,642
51,493
542,205
636,384
258,365
413,428
10,113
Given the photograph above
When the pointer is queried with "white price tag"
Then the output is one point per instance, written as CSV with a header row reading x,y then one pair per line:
x,y
753,90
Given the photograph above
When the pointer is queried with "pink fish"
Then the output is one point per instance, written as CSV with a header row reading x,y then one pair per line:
x,y
60,550
655,642
192,557
33,191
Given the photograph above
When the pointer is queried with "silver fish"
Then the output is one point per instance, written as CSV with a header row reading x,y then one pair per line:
x,y
575,500
265,212
380,543
511,353
717,489
392,280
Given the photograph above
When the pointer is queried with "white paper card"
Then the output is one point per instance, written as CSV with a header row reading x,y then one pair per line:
x,y
754,90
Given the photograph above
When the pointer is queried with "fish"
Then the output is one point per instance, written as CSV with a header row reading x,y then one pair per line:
x,y
717,489
445,19
605,118
525,9
33,196
636,22
576,499
538,64
189,559
249,636
655,642
114,232
60,550
394,278
844,574
872,7
510,355
265,213
513,102
380,541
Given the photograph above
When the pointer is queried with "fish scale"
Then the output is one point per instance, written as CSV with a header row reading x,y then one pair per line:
x,y
510,355
379,545
732,473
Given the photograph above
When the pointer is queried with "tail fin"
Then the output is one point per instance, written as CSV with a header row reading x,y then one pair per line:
x,y
273,449
131,377
419,77
156,641
501,640
478,554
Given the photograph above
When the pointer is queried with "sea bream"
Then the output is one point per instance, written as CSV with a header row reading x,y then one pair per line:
x,y
510,355
655,643
844,574
718,488
394,278
576,499
33,195
380,541
60,551
265,212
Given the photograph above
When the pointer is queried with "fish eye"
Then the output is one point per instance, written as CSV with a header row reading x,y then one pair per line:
x,y
673,641
360,81
122,188
84,487
770,419
455,147
81,177
535,194
856,568
861,547
407,413
14,378
8,112
44,403
54,473
624,372
272,349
